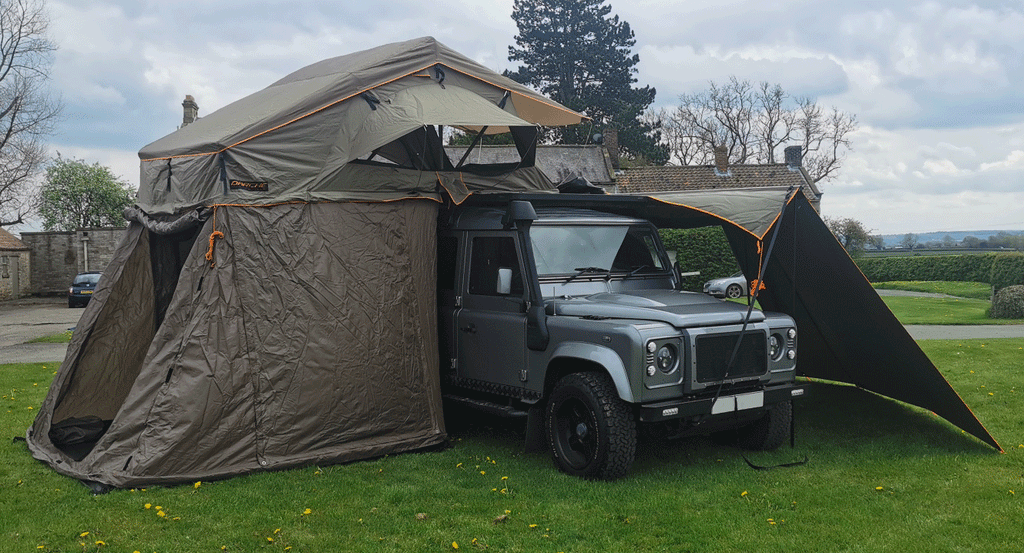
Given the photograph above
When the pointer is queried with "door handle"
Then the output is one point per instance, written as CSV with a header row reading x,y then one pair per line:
x,y
470,328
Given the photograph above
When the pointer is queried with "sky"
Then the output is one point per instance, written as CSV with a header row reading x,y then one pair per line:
x,y
937,87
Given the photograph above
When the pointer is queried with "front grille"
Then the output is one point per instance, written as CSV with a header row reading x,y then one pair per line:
x,y
714,351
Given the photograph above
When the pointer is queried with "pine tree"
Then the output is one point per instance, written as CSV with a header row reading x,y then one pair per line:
x,y
576,53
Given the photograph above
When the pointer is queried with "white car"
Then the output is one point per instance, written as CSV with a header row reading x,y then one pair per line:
x,y
734,286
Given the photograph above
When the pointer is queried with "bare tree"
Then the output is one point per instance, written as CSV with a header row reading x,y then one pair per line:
x,y
755,124
27,112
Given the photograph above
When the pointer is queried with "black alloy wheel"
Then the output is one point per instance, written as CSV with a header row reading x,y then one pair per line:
x,y
591,431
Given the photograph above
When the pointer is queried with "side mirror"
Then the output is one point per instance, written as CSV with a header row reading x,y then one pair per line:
x,y
504,281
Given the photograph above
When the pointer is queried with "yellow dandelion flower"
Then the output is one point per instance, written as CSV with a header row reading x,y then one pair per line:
x,y
161,514
744,494
100,542
270,539
1012,492
148,505
507,512
504,477
83,534
991,394
159,508
458,465
197,484
307,511
533,526
455,545
40,547
879,488
483,472
277,531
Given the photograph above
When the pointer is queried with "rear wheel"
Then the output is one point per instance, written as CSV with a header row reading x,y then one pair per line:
x,y
734,291
591,431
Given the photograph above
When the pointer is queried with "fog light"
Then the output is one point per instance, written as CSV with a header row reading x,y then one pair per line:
x,y
650,370
791,354
792,334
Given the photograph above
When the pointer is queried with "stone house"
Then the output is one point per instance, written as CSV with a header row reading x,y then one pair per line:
x,y
14,267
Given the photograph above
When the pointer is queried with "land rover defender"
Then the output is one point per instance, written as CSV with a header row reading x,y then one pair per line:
x,y
575,319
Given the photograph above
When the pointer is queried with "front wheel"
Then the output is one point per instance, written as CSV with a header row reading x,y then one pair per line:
x,y
591,431
734,291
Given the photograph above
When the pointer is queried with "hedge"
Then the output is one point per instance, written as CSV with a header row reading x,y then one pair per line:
x,y
704,249
998,269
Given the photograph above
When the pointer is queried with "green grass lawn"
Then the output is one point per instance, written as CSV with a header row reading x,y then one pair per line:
x,y
975,290
58,338
942,311
881,476
970,307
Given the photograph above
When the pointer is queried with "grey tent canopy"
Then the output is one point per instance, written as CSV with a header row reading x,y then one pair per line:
x,y
272,303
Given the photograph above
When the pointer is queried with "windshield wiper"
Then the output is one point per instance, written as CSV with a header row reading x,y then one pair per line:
x,y
580,271
637,269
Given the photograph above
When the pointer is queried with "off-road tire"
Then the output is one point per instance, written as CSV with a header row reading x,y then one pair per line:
x,y
734,291
591,432
768,432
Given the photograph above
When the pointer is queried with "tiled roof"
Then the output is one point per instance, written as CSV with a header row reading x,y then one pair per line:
x,y
9,242
559,162
652,179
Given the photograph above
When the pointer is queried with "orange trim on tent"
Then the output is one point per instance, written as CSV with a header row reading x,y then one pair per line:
x,y
336,102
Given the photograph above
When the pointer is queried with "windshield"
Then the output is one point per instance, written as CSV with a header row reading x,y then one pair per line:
x,y
82,280
561,250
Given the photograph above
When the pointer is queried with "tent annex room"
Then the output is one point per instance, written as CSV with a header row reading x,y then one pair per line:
x,y
272,302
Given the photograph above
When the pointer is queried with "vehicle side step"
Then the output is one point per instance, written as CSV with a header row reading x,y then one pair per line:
x,y
487,406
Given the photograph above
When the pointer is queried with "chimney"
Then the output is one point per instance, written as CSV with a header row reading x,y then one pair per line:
x,y
794,157
191,109
721,160
611,141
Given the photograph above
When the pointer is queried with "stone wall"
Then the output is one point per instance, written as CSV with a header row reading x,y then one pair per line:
x,y
56,257
11,260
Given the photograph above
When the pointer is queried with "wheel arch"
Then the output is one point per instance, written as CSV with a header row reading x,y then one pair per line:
x,y
571,357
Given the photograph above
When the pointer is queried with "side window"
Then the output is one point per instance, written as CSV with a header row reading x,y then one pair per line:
x,y
489,256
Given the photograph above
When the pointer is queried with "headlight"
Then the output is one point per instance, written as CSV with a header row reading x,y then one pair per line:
x,y
775,347
666,358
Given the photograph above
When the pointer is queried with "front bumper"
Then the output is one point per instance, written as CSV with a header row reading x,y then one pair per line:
x,y
677,409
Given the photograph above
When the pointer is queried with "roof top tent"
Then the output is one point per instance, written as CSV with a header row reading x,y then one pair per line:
x,y
272,303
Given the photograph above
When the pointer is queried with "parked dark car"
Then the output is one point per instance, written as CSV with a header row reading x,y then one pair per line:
x,y
82,288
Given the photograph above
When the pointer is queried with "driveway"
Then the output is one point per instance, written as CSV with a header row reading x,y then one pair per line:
x,y
29,318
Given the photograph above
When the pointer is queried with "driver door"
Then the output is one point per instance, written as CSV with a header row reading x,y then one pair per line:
x,y
491,326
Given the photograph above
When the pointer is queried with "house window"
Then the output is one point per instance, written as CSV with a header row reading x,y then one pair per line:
x,y
5,267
